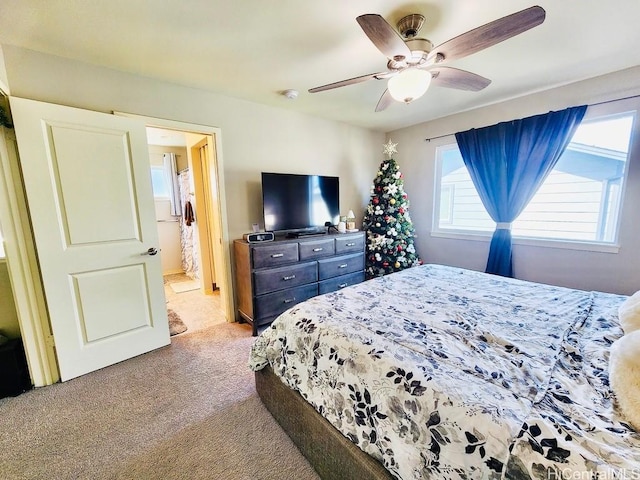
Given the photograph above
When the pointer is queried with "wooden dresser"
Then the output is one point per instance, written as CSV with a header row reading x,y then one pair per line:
x,y
271,277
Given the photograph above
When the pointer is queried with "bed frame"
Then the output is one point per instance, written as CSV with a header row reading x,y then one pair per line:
x,y
331,454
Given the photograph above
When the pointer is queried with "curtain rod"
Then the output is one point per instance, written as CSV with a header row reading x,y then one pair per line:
x,y
588,105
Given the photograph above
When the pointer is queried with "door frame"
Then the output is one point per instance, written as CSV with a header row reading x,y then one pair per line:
x,y
216,174
206,220
23,268
22,260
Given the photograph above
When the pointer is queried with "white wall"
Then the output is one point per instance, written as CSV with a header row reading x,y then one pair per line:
x,y
255,138
610,272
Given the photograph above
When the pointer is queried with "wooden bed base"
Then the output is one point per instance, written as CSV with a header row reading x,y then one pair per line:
x,y
331,454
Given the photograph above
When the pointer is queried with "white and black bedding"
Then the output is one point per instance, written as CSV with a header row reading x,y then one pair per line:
x,y
440,372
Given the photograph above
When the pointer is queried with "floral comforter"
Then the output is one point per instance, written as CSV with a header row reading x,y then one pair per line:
x,y
445,373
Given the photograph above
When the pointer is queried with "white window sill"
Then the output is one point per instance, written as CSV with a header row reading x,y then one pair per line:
x,y
534,242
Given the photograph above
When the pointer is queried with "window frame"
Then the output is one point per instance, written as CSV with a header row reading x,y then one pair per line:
x,y
594,112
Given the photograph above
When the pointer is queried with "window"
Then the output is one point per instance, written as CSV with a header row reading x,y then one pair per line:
x,y
579,201
159,182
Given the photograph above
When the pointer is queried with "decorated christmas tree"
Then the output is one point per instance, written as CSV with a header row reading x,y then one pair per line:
x,y
387,222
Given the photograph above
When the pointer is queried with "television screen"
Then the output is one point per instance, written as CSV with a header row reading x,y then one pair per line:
x,y
299,203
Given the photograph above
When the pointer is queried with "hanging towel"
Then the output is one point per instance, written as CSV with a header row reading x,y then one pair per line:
x,y
188,213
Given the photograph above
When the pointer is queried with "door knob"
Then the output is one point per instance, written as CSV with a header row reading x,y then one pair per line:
x,y
151,251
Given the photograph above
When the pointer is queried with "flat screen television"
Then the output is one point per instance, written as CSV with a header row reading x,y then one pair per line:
x,y
299,204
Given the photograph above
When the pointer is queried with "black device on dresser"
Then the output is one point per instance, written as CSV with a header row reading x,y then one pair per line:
x,y
272,277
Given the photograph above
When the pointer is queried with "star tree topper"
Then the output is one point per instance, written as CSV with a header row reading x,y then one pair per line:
x,y
390,148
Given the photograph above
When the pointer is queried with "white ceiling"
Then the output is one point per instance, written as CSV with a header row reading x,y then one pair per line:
x,y
166,138
253,49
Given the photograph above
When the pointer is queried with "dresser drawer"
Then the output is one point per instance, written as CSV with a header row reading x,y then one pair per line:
x,y
340,282
273,279
348,244
273,304
274,254
316,249
332,267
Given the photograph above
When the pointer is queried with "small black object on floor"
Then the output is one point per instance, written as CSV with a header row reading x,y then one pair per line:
x,y
14,373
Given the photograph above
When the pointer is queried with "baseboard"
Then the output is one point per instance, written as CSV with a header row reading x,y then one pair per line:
x,y
172,272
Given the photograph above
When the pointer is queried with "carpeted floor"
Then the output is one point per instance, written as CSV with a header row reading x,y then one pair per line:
x,y
185,411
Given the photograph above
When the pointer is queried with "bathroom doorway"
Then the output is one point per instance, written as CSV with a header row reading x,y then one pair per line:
x,y
184,176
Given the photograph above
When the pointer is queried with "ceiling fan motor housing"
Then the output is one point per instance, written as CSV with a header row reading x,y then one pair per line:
x,y
420,48
410,25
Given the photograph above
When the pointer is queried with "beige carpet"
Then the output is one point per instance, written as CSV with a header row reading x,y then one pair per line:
x,y
185,411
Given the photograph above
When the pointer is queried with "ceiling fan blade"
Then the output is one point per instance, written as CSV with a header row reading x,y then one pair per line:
x,y
488,35
385,100
350,81
383,36
455,78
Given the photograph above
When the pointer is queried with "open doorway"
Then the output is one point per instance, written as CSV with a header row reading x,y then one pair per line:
x,y
183,170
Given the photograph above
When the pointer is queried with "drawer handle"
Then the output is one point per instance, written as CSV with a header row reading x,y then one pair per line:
x,y
288,277
342,285
344,265
352,244
318,249
289,300
277,255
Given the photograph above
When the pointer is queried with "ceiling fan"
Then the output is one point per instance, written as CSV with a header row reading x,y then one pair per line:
x,y
413,63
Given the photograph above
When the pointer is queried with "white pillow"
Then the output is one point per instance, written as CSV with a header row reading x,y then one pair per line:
x,y
624,376
629,313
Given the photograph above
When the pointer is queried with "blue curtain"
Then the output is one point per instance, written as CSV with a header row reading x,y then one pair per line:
x,y
508,162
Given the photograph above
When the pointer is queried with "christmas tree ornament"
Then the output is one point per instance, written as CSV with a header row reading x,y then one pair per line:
x,y
390,149
387,223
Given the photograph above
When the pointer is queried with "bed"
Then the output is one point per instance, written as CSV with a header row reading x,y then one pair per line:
x,y
445,373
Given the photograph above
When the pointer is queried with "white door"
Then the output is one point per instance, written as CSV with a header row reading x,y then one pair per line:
x,y
88,188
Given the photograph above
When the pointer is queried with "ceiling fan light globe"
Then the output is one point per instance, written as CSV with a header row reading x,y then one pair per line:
x,y
409,85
